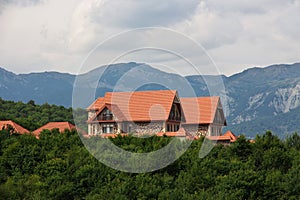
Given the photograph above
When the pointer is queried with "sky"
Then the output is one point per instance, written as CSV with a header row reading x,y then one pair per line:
x,y
185,37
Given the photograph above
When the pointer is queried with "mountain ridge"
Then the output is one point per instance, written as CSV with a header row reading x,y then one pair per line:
x,y
255,95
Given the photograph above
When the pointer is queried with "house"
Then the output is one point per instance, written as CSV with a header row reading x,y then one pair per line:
x,y
159,112
61,126
140,112
204,116
16,128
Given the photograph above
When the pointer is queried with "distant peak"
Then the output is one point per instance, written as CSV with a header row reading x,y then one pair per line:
x,y
6,71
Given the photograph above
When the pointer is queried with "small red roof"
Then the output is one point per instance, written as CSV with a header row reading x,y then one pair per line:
x,y
228,136
17,128
199,110
232,136
138,105
62,126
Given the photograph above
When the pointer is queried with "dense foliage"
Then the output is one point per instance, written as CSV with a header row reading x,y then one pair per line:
x,y
57,166
32,116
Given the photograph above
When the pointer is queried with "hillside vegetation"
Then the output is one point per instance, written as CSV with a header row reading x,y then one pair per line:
x,y
57,166
32,116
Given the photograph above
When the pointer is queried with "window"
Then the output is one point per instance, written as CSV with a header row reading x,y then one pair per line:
x,y
93,129
172,127
175,112
129,128
168,128
107,128
106,115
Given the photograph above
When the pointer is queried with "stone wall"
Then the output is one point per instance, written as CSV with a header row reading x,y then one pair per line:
x,y
196,130
144,128
91,114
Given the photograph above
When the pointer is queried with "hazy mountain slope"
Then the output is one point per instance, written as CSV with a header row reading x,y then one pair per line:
x,y
257,98
51,87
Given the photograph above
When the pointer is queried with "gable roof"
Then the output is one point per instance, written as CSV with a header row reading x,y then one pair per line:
x,y
138,105
61,126
17,128
199,110
232,136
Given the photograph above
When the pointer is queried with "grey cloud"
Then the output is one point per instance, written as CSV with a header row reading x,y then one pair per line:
x,y
22,3
246,6
133,14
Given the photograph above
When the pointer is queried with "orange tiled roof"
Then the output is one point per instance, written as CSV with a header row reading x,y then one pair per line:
x,y
17,128
199,110
221,138
97,104
61,126
180,133
137,106
232,136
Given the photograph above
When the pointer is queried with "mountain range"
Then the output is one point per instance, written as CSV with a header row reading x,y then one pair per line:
x,y
255,100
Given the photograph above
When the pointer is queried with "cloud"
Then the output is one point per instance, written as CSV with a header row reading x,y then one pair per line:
x,y
246,6
21,3
134,14
57,35
211,29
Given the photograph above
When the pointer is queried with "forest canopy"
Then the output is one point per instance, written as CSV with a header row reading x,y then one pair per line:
x,y
58,166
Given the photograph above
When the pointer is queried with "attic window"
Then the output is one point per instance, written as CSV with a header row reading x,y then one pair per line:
x,y
106,115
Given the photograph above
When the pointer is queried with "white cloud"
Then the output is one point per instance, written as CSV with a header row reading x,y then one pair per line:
x,y
57,35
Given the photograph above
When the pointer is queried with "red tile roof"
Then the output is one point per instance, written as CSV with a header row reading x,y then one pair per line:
x,y
137,106
228,136
232,136
199,110
97,104
61,126
17,128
